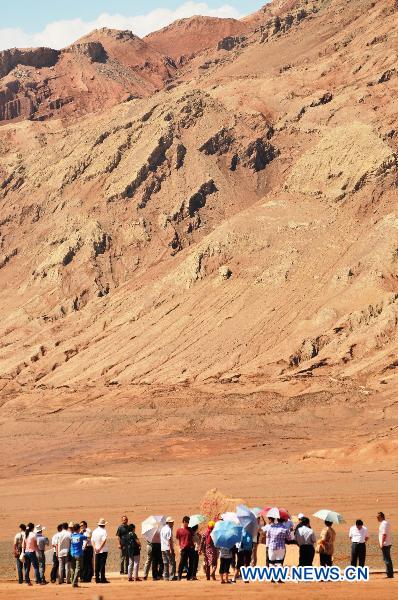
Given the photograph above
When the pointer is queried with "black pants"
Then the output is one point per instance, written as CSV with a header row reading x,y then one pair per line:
x,y
124,560
195,561
325,559
87,564
100,562
157,561
306,555
54,569
358,554
186,562
386,550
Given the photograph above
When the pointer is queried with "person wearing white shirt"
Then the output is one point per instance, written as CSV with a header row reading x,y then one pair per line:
x,y
167,547
385,541
99,540
63,549
359,536
54,544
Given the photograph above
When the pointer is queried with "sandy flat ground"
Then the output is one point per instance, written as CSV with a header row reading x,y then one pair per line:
x,y
377,587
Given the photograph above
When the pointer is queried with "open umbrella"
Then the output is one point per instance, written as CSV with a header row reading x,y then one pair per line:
x,y
264,511
230,516
196,520
329,515
151,526
278,513
247,519
226,534
257,511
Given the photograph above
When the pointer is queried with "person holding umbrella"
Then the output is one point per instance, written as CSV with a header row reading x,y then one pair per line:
x,y
325,545
210,553
306,540
150,529
244,553
277,537
225,535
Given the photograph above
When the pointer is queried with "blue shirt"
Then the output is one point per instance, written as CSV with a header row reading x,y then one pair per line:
x,y
76,544
246,541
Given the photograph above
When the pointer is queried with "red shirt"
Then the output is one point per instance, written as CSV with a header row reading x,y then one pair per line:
x,y
184,537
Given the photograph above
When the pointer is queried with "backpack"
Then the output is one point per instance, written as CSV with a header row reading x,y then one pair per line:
x,y
133,545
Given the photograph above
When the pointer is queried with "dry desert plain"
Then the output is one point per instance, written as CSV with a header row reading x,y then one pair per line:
x,y
198,278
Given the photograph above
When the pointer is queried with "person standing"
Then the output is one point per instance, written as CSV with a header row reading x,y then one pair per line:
x,y
385,541
55,565
18,549
210,552
244,554
185,540
30,548
196,542
42,543
134,551
99,540
277,536
167,547
154,558
265,529
122,535
359,536
63,550
306,540
76,550
225,564
87,570
325,545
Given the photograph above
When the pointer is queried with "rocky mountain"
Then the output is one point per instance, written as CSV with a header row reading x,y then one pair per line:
x,y
227,218
186,37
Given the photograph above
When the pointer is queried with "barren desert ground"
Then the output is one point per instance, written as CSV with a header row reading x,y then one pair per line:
x,y
199,279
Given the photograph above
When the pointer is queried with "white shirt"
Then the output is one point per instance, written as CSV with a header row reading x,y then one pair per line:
x,y
358,535
166,535
54,541
385,527
63,542
98,537
88,533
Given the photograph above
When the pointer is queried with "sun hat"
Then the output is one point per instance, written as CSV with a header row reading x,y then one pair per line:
x,y
39,528
169,520
102,522
300,515
71,524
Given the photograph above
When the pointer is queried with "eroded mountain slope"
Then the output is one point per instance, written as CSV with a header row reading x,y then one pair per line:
x,y
238,226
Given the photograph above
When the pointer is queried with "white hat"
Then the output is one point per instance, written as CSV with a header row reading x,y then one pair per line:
x,y
169,520
300,516
102,522
39,529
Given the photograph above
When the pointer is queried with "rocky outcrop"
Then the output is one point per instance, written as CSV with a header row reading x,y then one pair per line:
x,y
31,57
259,154
93,50
230,42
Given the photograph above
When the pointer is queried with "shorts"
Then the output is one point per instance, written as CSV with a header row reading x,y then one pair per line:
x,y
276,555
225,564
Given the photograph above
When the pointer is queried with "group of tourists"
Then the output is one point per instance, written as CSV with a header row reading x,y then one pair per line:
x,y
79,554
